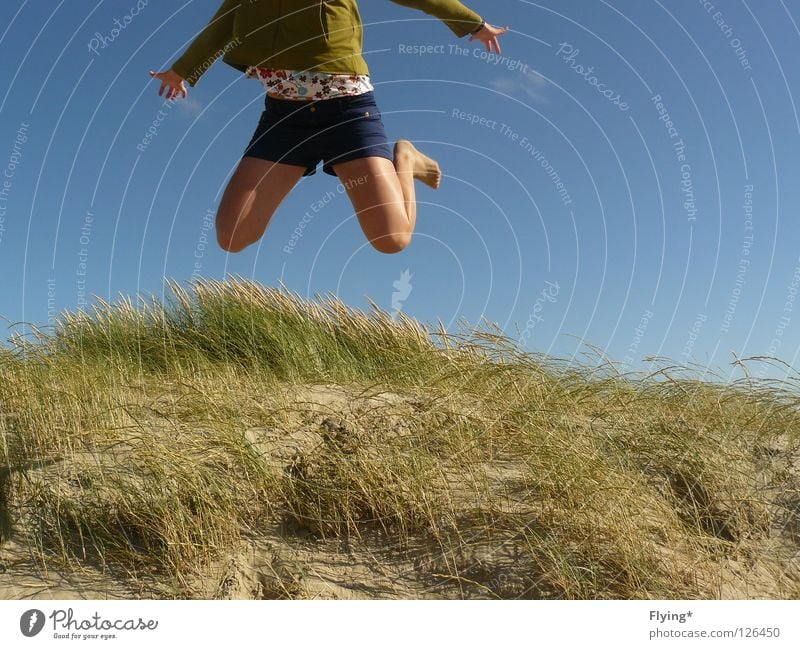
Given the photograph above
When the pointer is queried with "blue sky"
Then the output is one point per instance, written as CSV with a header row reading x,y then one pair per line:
x,y
625,178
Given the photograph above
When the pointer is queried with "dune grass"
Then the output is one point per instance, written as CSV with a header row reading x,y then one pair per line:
x,y
147,441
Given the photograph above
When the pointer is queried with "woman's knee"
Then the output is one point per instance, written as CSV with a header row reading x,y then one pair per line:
x,y
391,244
230,242
231,234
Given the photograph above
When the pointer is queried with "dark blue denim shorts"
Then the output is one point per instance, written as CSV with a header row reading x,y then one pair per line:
x,y
300,132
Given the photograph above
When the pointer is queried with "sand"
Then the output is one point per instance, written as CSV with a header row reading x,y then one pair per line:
x,y
282,562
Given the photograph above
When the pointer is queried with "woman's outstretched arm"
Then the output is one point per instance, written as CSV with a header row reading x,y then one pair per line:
x,y
209,44
460,19
201,53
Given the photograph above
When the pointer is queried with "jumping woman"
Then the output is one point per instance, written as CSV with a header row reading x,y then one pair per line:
x,y
319,105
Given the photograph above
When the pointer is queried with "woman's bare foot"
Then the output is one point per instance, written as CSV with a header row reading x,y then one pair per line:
x,y
425,169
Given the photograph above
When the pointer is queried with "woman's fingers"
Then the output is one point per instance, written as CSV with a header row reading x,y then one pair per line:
x,y
488,36
177,91
173,91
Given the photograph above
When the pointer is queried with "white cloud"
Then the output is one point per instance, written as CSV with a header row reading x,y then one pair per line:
x,y
529,83
191,105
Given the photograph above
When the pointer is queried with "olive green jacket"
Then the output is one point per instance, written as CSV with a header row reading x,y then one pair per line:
x,y
322,35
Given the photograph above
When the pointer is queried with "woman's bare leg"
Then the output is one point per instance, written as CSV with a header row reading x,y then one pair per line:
x,y
253,194
383,194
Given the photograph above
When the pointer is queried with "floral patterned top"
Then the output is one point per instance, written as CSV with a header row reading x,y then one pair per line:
x,y
301,84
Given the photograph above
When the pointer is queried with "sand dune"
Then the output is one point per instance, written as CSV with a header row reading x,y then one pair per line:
x,y
244,443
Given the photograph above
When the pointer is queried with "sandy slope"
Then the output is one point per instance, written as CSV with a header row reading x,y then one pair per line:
x,y
284,563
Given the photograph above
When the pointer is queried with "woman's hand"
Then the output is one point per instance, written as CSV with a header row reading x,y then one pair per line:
x,y
172,82
488,36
